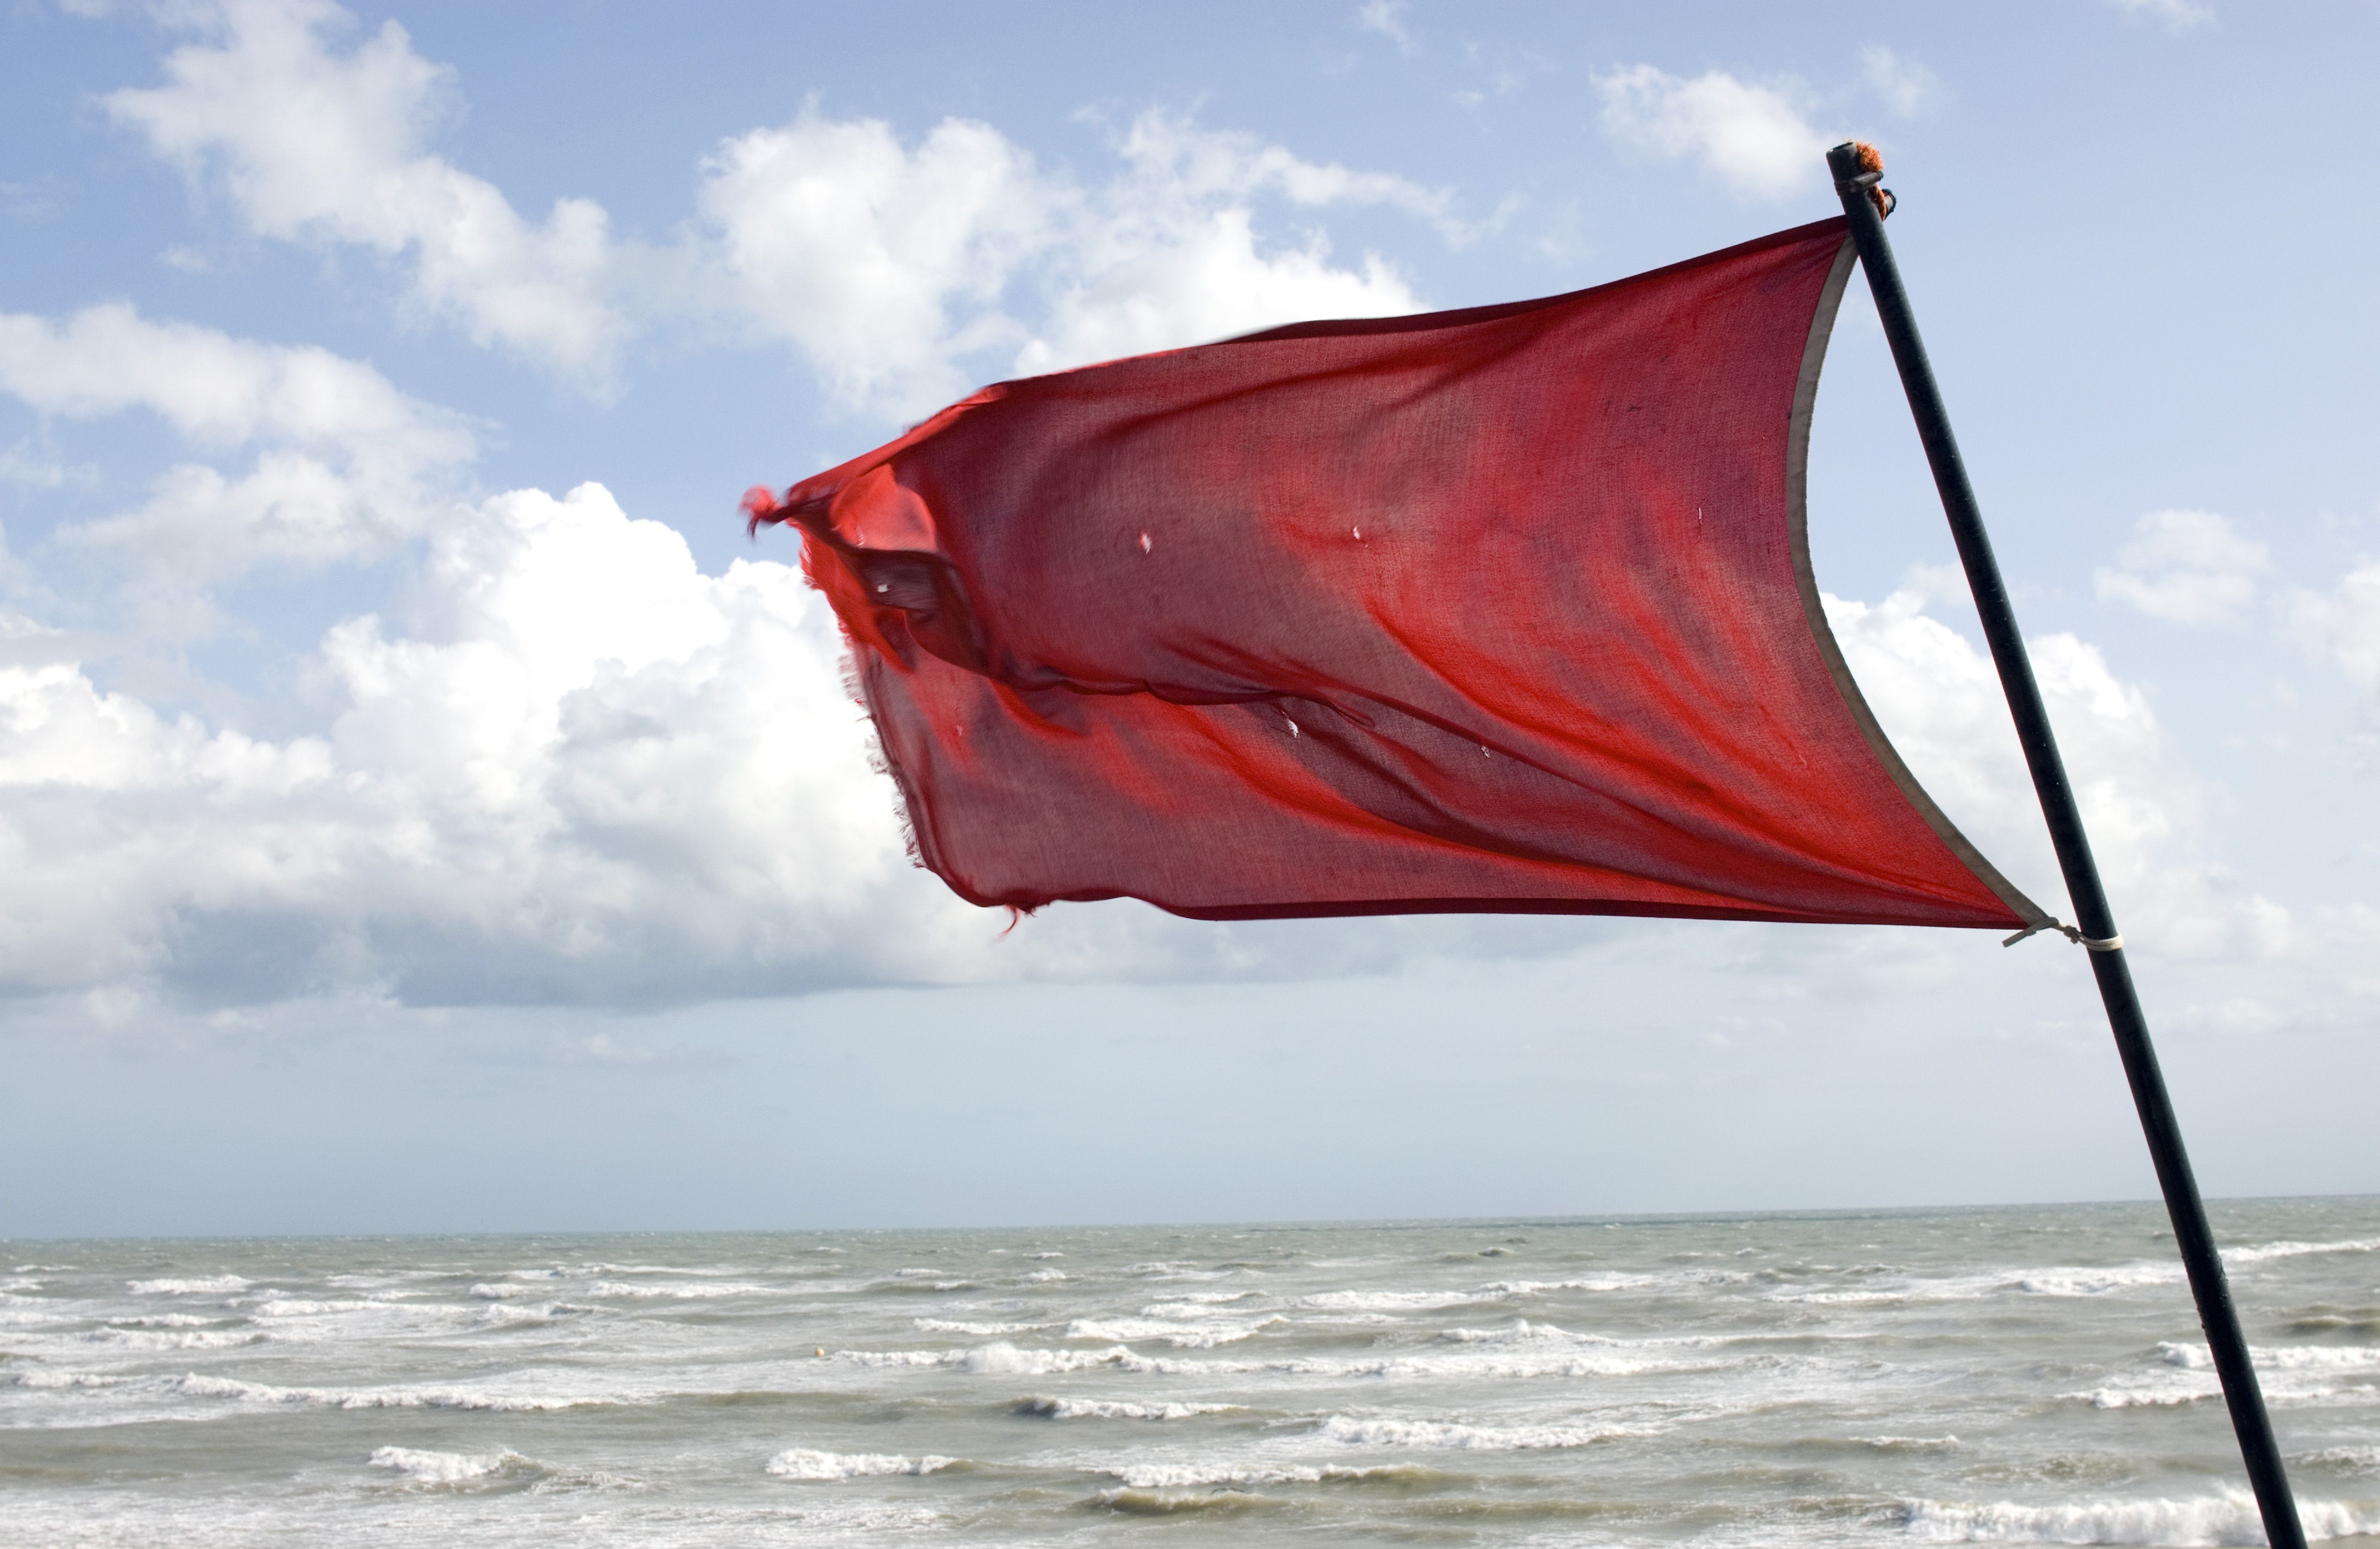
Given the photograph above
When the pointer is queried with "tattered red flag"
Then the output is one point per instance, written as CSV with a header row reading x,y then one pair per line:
x,y
1504,609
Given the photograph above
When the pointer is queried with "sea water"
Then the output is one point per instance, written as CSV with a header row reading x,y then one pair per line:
x,y
1996,1375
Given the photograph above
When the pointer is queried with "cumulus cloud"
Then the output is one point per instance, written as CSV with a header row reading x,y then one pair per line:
x,y
885,266
899,273
313,144
581,770
1752,137
1939,699
2185,566
1905,85
347,468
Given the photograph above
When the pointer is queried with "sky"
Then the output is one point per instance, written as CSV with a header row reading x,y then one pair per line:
x,y
425,809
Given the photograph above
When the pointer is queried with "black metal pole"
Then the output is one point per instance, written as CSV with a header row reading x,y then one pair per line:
x,y
1857,185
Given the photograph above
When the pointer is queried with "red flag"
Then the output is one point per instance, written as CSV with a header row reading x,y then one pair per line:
x,y
1506,609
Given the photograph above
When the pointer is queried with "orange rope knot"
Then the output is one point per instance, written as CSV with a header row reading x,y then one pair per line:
x,y
1871,160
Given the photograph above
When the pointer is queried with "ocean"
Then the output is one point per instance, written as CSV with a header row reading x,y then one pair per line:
x,y
2021,1374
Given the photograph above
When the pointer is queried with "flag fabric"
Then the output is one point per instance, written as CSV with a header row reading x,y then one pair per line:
x,y
1500,610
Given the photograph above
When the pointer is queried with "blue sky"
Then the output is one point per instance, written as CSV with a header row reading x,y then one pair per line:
x,y
426,811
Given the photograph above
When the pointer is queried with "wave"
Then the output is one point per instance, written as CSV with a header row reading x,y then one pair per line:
x,y
175,1340
201,1285
1351,1431
2284,1358
805,1464
1135,1502
1002,1358
1601,1283
973,1330
2228,1517
194,1385
2264,1252
1105,1409
621,1289
1181,1335
2065,1281
2355,1459
421,1467
2291,1374
1194,1476
1394,1302
42,1379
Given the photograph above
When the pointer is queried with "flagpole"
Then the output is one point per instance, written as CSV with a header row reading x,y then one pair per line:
x,y
1856,180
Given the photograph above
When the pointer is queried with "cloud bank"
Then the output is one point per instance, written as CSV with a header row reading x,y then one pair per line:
x,y
564,765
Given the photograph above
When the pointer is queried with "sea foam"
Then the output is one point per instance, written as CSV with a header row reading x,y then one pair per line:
x,y
805,1464
421,1467
1111,1409
202,1285
2226,1519
1353,1432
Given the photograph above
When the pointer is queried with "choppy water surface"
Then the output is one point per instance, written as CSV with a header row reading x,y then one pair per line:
x,y
1985,1375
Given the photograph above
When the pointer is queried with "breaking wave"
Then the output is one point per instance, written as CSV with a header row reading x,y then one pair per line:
x,y
1353,1432
194,1385
805,1464
203,1285
2226,1519
421,1467
1107,1408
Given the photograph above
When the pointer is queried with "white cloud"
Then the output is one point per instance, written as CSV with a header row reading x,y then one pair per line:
x,y
576,770
899,272
2185,566
2343,625
1752,137
1388,18
586,771
1167,253
884,266
316,145
2179,15
348,468
1905,85
1939,699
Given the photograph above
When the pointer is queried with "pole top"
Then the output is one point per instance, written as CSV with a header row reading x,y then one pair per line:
x,y
1858,164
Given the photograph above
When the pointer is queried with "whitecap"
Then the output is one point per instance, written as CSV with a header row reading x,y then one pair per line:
x,y
1381,1431
201,1284
803,1463
423,1467
1108,1408
1199,1336
2263,1251
2228,1517
1395,1302
620,1288
197,1385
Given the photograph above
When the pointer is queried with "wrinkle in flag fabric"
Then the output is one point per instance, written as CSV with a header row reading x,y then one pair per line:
x,y
1500,610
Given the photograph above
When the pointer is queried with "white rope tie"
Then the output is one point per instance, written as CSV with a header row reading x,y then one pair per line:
x,y
2091,943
